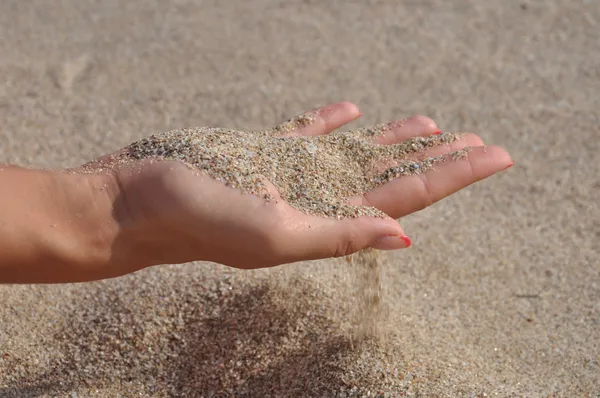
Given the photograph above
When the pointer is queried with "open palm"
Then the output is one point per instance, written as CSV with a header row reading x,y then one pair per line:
x,y
183,215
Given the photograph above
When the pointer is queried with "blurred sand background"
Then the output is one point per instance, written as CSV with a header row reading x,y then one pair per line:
x,y
500,293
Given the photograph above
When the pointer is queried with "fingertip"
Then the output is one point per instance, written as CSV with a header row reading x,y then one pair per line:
x,y
392,242
347,108
472,140
428,125
504,158
491,159
349,105
328,118
338,114
403,129
390,236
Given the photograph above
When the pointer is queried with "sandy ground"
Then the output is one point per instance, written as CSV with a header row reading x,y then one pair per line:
x,y
500,294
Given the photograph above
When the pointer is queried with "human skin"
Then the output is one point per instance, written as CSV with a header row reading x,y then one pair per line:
x,y
59,226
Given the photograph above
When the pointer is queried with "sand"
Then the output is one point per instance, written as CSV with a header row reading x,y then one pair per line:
x,y
316,175
499,294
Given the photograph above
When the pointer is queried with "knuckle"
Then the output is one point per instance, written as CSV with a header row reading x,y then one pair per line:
x,y
350,243
426,193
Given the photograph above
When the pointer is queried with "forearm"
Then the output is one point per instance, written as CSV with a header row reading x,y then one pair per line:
x,y
57,227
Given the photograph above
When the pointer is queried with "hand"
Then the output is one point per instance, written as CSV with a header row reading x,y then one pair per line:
x,y
170,213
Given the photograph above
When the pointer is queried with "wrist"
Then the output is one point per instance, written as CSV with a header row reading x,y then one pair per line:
x,y
89,243
111,237
58,227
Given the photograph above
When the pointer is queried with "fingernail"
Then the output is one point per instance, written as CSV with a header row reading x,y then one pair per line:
x,y
437,132
509,166
359,114
394,242
406,240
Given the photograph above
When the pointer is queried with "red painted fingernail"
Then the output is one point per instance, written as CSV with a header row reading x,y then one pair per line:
x,y
406,240
392,242
509,166
437,132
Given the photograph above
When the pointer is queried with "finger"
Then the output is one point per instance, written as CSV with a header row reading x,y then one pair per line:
x,y
321,120
327,238
408,194
401,130
466,140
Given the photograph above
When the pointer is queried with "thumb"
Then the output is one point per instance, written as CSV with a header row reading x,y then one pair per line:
x,y
338,238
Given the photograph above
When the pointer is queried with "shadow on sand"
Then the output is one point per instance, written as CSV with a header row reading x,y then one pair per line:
x,y
245,343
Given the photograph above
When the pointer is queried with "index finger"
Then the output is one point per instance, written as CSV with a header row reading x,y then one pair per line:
x,y
408,194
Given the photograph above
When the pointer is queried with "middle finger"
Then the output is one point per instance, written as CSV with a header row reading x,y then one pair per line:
x,y
403,129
